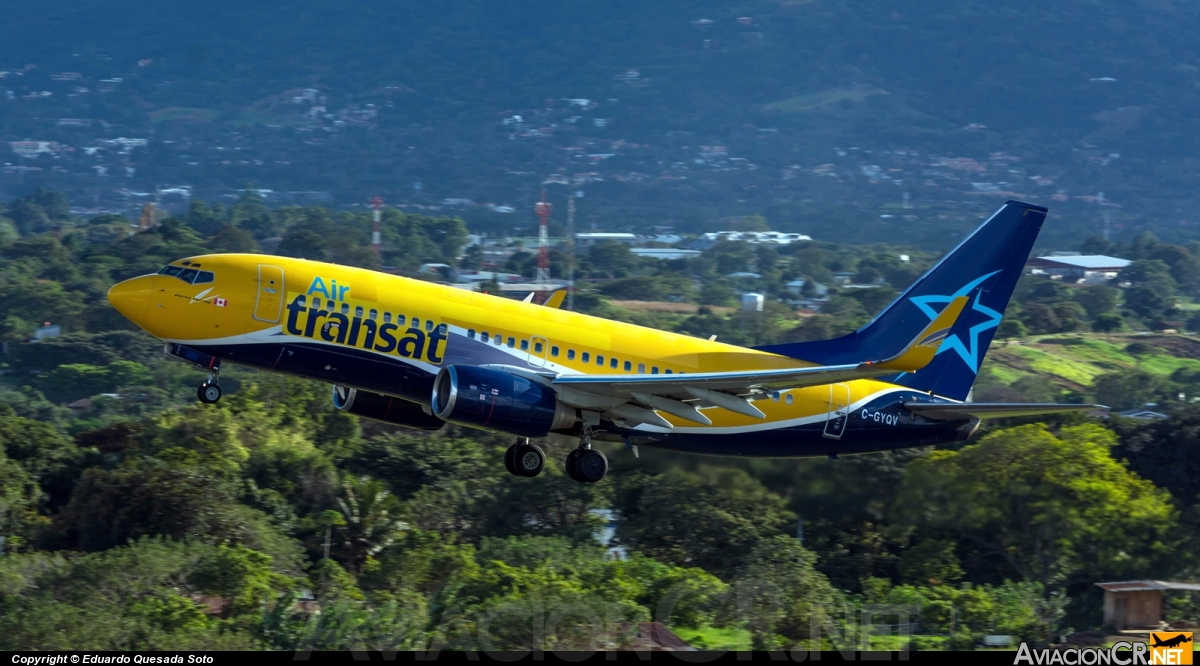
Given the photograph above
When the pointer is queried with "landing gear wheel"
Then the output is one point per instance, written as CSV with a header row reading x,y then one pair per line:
x,y
510,456
209,393
572,458
528,460
590,466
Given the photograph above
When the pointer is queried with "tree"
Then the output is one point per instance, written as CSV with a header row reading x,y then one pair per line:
x,y
238,575
1108,322
1128,389
1054,509
718,516
372,517
1152,292
1011,328
784,594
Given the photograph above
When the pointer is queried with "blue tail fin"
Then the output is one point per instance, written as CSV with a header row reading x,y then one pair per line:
x,y
985,266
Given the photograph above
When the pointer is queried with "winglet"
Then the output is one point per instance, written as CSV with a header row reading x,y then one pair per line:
x,y
925,346
556,299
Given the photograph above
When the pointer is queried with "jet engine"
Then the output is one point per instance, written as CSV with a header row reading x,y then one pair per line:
x,y
384,408
500,401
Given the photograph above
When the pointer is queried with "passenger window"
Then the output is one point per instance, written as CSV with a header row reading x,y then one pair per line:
x,y
484,336
599,360
554,351
524,345
537,347
612,363
512,342
654,370
358,311
641,368
586,356
570,354
345,308
387,317
628,366
668,371
428,325
316,302
789,398
400,320
471,334
498,339
373,315
188,275
443,329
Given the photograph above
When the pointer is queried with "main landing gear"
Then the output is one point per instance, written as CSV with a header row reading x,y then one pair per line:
x,y
585,464
209,392
524,459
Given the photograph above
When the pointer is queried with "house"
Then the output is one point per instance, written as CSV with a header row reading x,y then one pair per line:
x,y
665,253
1143,413
1138,603
1080,269
585,240
47,330
796,286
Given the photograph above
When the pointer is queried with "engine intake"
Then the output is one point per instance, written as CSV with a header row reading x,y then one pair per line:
x,y
384,408
498,400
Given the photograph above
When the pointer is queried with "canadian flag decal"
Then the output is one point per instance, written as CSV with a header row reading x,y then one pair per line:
x,y
220,302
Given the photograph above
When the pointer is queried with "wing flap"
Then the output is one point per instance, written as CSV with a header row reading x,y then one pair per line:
x,y
954,411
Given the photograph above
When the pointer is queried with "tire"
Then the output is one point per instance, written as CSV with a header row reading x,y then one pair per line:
x,y
591,466
572,457
528,460
510,460
209,394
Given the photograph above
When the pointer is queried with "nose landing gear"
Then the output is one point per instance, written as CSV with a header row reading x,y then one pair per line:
x,y
524,459
209,392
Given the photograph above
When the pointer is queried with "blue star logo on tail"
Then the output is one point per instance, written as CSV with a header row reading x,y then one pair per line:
x,y
969,353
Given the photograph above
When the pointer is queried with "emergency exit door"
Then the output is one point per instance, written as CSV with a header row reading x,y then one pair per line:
x,y
839,410
269,304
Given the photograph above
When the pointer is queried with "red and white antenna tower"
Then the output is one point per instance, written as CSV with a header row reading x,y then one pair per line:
x,y
542,209
376,236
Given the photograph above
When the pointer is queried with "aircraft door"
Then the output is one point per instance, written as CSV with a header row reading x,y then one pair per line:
x,y
538,348
839,410
269,304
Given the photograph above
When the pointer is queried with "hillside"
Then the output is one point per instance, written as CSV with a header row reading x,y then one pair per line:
x,y
1071,363
820,115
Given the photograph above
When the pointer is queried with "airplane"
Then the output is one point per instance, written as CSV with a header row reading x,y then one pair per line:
x,y
419,354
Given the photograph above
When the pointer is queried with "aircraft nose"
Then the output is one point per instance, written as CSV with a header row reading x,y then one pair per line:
x,y
131,297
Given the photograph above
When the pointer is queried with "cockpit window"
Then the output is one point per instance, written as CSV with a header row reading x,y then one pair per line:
x,y
170,270
203,277
188,275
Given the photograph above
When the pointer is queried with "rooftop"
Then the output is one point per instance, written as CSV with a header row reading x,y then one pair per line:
x,y
1088,261
1148,586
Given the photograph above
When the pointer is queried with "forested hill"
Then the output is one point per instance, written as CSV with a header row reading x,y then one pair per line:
x,y
817,114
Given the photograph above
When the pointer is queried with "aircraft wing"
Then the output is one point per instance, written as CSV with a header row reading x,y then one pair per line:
x,y
954,411
722,389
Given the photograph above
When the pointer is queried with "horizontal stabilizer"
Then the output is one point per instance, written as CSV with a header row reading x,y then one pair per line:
x,y
954,411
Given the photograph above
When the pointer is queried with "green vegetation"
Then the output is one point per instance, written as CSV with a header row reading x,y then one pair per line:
x,y
135,518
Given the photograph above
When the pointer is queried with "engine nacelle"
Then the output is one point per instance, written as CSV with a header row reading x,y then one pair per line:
x,y
384,408
498,400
